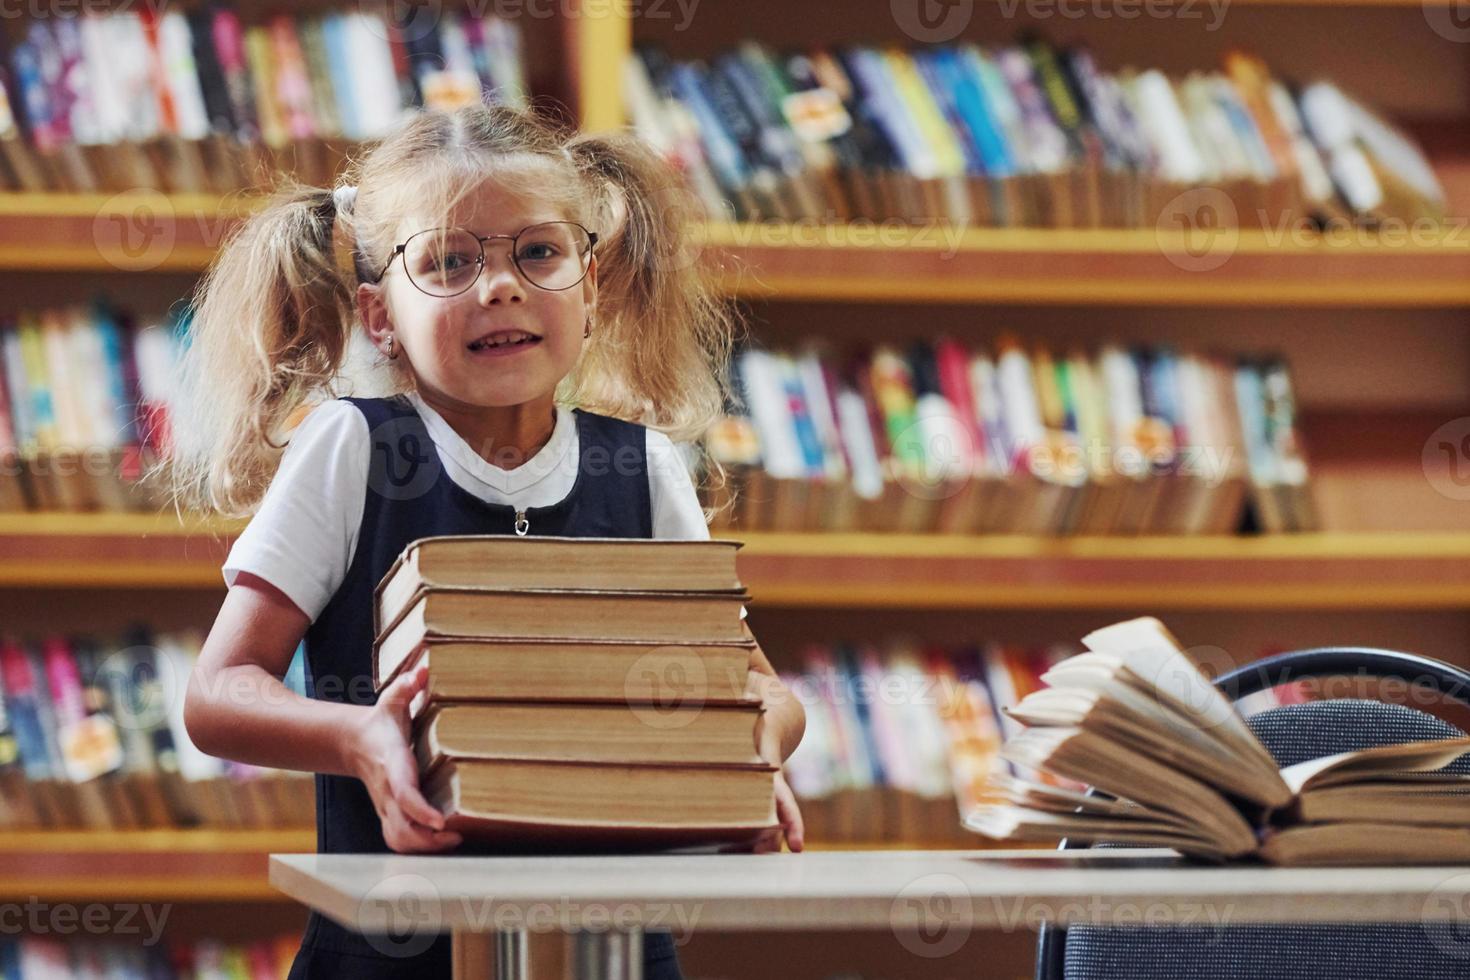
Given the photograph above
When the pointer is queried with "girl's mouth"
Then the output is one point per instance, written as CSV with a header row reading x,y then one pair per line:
x,y
503,342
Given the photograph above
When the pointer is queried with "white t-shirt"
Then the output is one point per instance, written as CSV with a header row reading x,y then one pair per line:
x,y
303,536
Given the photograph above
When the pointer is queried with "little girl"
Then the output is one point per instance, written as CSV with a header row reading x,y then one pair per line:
x,y
506,273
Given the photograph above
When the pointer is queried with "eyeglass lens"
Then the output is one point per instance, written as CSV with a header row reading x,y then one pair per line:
x,y
447,261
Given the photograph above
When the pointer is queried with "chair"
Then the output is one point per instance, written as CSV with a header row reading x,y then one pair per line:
x,y
1292,733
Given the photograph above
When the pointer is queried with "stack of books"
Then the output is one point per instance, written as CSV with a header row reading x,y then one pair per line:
x,y
1018,135
944,437
583,693
210,101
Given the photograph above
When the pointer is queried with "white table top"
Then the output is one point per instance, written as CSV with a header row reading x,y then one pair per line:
x,y
895,890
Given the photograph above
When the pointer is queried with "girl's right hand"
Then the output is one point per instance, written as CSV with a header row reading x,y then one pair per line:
x,y
383,759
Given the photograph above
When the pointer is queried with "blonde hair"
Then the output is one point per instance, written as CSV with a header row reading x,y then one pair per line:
x,y
274,314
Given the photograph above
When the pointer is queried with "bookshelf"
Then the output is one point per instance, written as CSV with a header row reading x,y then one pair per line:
x,y
1371,570
1119,267
1409,568
154,232
144,865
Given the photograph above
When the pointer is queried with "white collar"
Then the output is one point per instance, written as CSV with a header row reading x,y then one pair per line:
x,y
451,444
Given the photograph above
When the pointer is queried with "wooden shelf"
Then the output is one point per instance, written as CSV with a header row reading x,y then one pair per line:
x,y
144,865
112,550
1132,267
146,231
1317,571
895,571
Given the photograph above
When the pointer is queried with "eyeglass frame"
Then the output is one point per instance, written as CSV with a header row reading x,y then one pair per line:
x,y
399,250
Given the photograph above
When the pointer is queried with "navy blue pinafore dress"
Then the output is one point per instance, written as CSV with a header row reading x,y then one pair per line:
x,y
410,496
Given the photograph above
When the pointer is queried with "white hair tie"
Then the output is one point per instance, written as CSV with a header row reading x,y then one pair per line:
x,y
344,196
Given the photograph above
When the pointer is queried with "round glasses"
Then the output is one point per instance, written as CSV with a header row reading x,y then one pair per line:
x,y
443,262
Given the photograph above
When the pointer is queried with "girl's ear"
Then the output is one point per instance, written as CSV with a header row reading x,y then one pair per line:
x,y
373,306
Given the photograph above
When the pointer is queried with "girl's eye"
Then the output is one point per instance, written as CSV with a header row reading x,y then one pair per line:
x,y
450,262
539,252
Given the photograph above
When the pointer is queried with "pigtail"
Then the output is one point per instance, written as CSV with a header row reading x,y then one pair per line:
x,y
270,326
662,336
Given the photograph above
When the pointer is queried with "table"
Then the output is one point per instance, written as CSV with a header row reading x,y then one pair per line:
x,y
502,909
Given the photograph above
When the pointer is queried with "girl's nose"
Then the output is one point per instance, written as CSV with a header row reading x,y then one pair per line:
x,y
500,280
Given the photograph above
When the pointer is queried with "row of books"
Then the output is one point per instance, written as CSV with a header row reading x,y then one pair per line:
x,y
92,736
1017,135
902,736
84,403
45,957
206,100
582,692
944,437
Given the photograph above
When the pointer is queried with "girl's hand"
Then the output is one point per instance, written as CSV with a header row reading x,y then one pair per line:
x,y
789,815
383,759
768,745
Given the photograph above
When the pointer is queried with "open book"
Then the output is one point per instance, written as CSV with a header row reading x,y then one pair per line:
x,y
1137,720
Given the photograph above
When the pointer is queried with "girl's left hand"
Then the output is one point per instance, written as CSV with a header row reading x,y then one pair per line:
x,y
768,746
789,815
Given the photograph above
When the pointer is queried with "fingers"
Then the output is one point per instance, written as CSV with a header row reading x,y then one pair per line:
x,y
403,689
789,813
403,785
407,837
